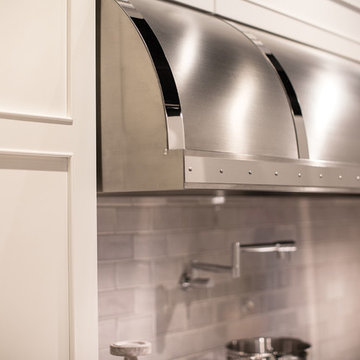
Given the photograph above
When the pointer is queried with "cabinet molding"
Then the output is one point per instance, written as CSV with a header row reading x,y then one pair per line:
x,y
63,120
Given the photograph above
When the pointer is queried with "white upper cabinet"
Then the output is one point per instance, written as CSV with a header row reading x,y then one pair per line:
x,y
331,25
325,14
33,62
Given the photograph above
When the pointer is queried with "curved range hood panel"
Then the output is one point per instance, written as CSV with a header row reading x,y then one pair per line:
x,y
231,99
188,101
328,88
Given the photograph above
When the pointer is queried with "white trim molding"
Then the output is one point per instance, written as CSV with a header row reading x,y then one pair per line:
x,y
63,120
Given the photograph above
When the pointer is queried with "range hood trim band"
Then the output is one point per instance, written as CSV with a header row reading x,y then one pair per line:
x,y
209,171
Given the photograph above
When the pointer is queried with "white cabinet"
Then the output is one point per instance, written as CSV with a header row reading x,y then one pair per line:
x,y
330,25
33,37
323,24
48,283
34,260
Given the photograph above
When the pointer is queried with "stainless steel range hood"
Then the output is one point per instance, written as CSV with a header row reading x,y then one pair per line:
x,y
190,101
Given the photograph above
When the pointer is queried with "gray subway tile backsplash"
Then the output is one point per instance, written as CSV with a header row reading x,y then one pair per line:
x,y
117,302
133,273
136,327
144,244
115,247
150,246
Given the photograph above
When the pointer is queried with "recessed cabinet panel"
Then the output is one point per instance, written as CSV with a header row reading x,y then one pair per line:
x,y
34,260
33,61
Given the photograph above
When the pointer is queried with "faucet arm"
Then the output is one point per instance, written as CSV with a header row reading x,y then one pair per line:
x,y
211,267
280,247
234,268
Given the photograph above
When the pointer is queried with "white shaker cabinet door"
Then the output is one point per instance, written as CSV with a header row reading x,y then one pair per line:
x,y
48,262
34,259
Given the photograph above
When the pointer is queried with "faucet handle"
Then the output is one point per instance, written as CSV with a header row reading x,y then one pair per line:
x,y
129,349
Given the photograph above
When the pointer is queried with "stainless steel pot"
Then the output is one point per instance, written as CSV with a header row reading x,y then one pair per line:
x,y
267,348
249,349
289,348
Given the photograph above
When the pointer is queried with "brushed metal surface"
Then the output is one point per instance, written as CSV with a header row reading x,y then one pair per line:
x,y
170,96
232,101
328,89
300,131
239,130
132,118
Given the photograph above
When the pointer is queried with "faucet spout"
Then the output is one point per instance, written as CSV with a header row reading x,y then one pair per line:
x,y
277,246
236,248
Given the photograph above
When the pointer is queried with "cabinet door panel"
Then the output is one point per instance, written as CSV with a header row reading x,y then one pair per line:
x,y
34,258
33,62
